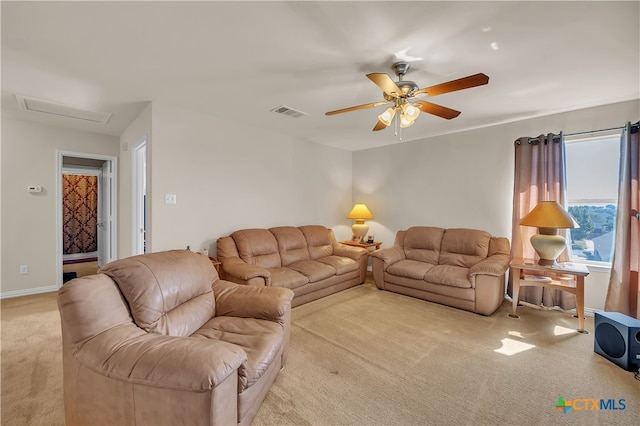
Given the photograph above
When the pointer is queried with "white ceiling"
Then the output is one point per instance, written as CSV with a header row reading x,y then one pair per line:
x,y
240,58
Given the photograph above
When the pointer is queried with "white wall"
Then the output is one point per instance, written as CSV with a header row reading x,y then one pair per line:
x,y
229,177
29,220
465,179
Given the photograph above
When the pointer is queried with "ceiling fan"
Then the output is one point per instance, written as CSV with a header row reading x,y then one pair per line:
x,y
401,93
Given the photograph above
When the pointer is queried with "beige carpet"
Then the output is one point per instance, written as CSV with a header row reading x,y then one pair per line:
x,y
367,357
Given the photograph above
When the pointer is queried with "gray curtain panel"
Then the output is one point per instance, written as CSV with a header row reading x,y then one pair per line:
x,y
539,175
622,294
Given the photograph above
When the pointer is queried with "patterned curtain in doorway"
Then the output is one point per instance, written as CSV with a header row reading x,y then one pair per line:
x,y
79,213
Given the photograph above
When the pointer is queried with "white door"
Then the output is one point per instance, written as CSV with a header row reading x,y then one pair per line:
x,y
105,216
139,191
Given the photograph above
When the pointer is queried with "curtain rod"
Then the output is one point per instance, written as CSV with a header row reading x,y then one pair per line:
x,y
556,138
595,131
634,129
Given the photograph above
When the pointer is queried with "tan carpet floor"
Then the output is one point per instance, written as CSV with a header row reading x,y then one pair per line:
x,y
369,357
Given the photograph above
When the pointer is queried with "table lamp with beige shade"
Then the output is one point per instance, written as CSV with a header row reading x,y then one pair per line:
x,y
548,217
360,212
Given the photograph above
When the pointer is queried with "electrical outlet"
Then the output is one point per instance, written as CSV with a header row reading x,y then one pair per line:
x,y
170,198
24,269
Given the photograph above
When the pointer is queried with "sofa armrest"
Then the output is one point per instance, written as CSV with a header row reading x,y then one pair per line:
x,y
495,265
238,268
128,354
389,255
352,252
267,303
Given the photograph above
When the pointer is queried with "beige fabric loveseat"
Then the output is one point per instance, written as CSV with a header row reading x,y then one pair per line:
x,y
159,339
305,259
463,268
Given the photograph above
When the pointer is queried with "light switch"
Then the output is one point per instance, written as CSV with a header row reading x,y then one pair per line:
x,y
170,198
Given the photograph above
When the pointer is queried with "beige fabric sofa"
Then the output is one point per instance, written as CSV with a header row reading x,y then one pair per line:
x,y
159,339
306,259
463,268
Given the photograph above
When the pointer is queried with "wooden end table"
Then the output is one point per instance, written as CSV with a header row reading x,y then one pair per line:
x,y
367,246
216,263
563,276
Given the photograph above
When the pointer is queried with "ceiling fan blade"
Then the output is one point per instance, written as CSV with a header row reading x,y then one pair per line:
x,y
357,107
379,126
384,82
438,110
453,85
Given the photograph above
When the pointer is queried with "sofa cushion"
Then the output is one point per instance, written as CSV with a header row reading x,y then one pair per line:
x,y
287,277
422,243
291,244
464,247
410,269
342,265
313,270
168,292
257,247
260,339
319,240
449,275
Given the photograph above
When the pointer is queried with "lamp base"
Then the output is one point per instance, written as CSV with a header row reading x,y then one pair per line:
x,y
360,229
548,247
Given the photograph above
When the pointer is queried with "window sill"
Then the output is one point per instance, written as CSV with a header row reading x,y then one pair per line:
x,y
596,266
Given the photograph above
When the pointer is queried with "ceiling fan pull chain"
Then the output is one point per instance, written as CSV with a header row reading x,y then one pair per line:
x,y
398,129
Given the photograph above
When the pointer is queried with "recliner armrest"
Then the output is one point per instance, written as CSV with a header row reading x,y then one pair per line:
x,y
389,255
267,303
495,265
129,354
240,269
352,252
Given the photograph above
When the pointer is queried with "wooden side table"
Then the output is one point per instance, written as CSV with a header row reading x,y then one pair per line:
x,y
216,263
375,244
563,276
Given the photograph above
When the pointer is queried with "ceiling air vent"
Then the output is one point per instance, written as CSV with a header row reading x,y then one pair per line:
x,y
285,110
29,104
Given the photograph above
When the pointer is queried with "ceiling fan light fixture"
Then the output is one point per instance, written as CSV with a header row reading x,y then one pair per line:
x,y
406,121
387,116
410,111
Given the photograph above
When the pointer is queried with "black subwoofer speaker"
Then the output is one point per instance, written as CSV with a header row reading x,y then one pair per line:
x,y
617,338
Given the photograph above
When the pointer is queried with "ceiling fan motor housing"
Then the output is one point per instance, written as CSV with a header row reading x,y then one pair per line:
x,y
407,87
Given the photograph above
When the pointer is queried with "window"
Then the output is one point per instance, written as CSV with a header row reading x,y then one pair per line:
x,y
592,193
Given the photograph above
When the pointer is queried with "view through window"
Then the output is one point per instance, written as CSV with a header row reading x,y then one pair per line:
x,y
592,193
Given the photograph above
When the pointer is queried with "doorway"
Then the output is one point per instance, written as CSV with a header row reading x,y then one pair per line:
x,y
85,218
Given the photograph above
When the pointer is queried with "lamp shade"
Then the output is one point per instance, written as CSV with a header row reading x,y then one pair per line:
x,y
549,214
360,211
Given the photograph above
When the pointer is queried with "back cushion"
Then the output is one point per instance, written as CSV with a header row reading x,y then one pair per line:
x,y
319,240
168,292
422,243
464,247
257,247
499,245
291,244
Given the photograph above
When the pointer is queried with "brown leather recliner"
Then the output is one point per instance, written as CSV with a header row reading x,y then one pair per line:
x,y
160,339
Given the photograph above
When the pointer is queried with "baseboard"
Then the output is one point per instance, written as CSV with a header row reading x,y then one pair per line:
x,y
28,292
